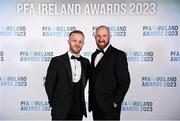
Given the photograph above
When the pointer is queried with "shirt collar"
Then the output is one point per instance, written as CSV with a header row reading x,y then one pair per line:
x,y
70,54
105,48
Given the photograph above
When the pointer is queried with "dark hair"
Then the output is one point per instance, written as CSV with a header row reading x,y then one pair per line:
x,y
77,32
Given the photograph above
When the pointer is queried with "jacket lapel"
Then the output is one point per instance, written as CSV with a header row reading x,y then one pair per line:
x,y
68,66
100,64
69,70
83,64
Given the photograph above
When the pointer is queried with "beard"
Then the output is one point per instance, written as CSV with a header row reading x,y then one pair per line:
x,y
75,50
102,45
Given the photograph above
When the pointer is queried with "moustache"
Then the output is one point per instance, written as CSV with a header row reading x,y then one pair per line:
x,y
101,41
76,46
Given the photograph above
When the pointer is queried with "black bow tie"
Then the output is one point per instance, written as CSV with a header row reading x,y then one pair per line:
x,y
77,58
99,51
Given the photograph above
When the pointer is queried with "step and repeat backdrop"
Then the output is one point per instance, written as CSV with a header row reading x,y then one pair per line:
x,y
32,32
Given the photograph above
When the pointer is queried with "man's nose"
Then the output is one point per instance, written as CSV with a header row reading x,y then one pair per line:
x,y
77,43
100,38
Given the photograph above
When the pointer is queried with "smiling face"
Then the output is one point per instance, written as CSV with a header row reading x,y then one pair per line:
x,y
102,37
76,42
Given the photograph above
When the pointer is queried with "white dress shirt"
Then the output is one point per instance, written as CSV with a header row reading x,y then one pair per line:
x,y
75,67
100,55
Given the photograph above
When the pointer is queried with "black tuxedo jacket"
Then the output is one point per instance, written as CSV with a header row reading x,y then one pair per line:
x,y
59,85
109,80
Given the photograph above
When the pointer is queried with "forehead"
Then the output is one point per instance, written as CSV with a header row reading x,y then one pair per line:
x,y
102,30
76,35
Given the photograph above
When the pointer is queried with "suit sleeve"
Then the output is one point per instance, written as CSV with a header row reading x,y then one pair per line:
x,y
51,78
122,77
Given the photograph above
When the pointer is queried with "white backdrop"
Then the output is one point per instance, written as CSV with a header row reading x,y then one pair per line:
x,y
32,32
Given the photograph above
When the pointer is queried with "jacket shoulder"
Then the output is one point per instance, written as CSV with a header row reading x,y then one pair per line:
x,y
58,58
118,51
85,59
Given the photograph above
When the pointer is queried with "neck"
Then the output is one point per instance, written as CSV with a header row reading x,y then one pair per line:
x,y
76,54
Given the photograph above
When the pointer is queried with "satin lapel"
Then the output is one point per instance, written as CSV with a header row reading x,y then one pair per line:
x,y
92,61
68,66
102,61
83,72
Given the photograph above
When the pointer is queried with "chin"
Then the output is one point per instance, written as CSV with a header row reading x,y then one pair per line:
x,y
77,52
101,47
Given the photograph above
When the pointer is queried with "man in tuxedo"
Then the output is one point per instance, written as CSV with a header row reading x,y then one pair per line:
x,y
109,78
66,80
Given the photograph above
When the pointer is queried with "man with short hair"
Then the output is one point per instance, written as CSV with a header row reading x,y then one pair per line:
x,y
66,80
109,78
